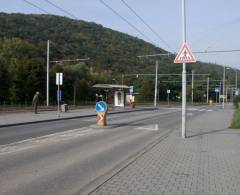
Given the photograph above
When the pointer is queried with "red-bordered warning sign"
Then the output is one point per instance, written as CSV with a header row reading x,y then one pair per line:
x,y
185,55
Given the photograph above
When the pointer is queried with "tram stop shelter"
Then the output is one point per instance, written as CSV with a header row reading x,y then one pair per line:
x,y
119,92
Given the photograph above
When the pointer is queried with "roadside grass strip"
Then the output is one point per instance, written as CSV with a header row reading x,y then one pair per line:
x,y
236,119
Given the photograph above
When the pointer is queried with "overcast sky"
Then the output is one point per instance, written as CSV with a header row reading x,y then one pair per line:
x,y
211,24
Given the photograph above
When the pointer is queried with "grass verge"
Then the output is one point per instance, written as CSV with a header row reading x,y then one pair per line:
x,y
236,119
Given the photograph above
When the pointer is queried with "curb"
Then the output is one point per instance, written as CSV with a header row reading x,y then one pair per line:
x,y
73,117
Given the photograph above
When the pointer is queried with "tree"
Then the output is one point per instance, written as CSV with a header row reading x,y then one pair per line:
x,y
20,69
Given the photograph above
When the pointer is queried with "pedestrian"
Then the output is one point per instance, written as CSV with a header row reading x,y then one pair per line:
x,y
106,100
96,97
35,102
100,97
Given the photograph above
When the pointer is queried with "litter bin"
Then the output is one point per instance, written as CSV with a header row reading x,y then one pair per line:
x,y
64,108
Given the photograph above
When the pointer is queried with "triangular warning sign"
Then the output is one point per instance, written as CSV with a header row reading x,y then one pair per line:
x,y
185,55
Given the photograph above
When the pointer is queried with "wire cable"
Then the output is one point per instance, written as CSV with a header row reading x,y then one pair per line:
x,y
146,24
218,51
61,9
34,5
125,20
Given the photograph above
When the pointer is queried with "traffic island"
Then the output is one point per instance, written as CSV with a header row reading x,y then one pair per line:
x,y
101,108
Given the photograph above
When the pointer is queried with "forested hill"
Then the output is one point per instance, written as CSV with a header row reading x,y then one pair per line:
x,y
76,39
23,42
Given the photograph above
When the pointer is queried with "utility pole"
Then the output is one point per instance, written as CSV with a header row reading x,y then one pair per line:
x,y
47,92
226,93
236,85
192,84
156,83
223,94
207,89
220,92
158,92
184,37
122,79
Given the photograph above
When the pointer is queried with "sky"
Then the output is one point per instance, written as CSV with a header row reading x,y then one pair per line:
x,y
212,25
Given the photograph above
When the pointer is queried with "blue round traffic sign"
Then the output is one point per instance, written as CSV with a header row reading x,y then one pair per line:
x,y
101,106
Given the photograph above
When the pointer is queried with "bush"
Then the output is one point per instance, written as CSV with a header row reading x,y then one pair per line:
x,y
236,101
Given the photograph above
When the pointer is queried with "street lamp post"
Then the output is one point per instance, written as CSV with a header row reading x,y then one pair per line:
x,y
236,83
156,74
47,91
156,83
220,84
192,84
184,37
207,89
223,94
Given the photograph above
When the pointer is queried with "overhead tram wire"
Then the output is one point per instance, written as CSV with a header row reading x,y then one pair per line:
x,y
146,24
61,9
198,52
125,20
218,51
34,5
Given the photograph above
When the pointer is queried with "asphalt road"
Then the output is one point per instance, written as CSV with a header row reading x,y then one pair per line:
x,y
13,134
74,156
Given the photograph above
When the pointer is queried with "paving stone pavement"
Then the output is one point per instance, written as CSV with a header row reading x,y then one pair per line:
x,y
207,162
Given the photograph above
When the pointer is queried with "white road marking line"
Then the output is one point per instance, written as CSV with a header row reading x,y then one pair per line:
x,y
47,139
149,127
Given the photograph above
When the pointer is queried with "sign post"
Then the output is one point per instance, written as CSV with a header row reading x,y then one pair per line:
x,y
101,108
217,91
168,93
59,81
184,56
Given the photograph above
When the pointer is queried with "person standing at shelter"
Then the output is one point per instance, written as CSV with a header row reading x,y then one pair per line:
x,y
106,99
35,101
96,97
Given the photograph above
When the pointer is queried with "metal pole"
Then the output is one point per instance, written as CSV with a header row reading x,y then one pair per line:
x,y
192,84
220,92
156,82
74,94
223,94
158,92
226,94
58,95
168,98
236,85
184,72
207,89
122,79
47,94
216,98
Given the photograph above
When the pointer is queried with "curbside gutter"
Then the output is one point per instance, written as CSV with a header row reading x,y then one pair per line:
x,y
74,117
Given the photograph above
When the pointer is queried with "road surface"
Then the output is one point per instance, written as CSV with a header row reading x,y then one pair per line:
x,y
74,156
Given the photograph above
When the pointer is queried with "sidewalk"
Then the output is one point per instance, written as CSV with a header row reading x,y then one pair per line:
x,y
10,119
207,162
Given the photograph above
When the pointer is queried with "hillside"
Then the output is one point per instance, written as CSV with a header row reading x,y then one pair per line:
x,y
23,58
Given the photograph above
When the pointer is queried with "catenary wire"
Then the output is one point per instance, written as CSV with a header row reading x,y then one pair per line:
x,y
34,5
146,24
61,9
125,20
